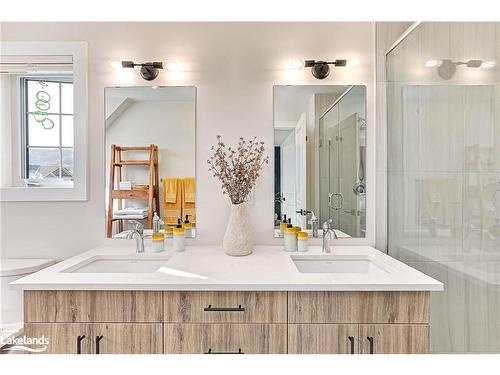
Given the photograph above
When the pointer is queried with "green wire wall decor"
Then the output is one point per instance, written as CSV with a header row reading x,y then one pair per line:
x,y
42,104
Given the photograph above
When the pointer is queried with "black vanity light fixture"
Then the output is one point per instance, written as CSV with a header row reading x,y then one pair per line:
x,y
149,70
321,69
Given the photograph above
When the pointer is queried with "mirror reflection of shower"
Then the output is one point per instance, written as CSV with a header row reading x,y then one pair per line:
x,y
342,163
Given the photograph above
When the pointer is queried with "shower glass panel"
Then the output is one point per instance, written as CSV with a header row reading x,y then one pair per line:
x,y
443,160
342,174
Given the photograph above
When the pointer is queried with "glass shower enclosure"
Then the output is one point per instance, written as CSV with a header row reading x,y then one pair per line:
x,y
443,174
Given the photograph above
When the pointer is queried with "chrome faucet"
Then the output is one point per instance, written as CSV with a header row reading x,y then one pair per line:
x,y
138,233
328,234
314,224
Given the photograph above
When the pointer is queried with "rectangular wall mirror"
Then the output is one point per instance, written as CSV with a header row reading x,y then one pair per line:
x,y
150,159
320,158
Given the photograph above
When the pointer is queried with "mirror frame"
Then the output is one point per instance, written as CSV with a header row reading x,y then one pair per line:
x,y
79,191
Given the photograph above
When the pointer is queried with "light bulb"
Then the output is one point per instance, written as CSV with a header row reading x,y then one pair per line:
x,y
432,63
488,64
173,66
295,64
352,63
115,64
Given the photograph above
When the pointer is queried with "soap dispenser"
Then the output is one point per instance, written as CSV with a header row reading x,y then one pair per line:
x,y
179,236
290,237
188,228
157,223
158,239
283,224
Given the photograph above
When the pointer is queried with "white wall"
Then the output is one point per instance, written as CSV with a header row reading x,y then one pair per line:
x,y
170,125
234,67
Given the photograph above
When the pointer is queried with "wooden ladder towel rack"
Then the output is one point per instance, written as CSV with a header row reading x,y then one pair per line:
x,y
151,193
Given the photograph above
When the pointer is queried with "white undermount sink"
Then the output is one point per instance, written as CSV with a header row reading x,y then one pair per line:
x,y
119,264
337,264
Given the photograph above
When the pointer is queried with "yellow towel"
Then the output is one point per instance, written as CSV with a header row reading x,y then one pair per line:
x,y
170,189
189,199
172,204
189,190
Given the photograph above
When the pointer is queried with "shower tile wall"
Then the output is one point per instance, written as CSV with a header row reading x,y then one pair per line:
x,y
443,160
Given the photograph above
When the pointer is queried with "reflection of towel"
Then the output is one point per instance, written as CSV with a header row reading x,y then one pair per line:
x,y
172,200
132,211
170,189
189,190
189,199
131,216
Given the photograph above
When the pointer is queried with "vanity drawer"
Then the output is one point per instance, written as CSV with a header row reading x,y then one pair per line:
x,y
225,339
358,307
68,306
225,307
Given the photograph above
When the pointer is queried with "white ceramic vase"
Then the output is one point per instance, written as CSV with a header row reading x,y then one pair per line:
x,y
238,237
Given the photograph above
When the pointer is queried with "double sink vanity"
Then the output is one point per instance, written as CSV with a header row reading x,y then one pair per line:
x,y
112,300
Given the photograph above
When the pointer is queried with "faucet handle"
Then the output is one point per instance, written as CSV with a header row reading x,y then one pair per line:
x,y
138,226
326,224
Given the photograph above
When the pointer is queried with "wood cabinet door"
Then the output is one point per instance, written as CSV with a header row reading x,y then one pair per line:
x,y
394,338
323,339
225,338
63,338
127,338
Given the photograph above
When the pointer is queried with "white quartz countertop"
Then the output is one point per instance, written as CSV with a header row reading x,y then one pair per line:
x,y
208,268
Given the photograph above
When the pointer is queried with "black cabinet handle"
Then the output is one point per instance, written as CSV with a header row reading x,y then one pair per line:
x,y
370,340
79,344
236,309
210,351
97,344
351,341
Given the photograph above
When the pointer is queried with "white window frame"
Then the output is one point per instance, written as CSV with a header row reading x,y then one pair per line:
x,y
25,113
79,190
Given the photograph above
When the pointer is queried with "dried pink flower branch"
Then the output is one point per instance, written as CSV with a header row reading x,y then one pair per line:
x,y
237,169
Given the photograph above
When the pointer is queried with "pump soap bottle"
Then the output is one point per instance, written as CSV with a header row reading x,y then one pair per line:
x,y
179,236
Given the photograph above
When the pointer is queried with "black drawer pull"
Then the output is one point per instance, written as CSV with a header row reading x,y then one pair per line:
x,y
351,341
79,344
212,352
236,309
370,340
97,344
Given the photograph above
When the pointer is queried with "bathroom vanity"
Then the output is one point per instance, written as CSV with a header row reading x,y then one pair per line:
x,y
110,300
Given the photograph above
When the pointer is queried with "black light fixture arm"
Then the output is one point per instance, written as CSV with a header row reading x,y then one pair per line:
x,y
131,64
321,69
149,70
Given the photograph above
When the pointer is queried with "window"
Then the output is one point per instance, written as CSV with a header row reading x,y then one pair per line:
x,y
47,112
